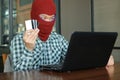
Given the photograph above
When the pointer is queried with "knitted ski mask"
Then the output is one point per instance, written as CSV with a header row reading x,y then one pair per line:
x,y
43,7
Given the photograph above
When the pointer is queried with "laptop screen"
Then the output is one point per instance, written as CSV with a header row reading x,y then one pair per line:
x,y
89,50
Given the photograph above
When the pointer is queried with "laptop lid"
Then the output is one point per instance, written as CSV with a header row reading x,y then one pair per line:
x,y
89,50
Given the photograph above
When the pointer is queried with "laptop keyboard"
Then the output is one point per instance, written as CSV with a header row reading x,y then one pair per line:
x,y
51,67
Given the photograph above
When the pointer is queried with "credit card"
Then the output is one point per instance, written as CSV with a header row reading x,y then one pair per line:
x,y
31,24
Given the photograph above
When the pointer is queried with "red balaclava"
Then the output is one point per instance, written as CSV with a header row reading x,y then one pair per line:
x,y
43,7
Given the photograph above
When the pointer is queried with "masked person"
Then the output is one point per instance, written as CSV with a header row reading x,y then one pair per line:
x,y
40,46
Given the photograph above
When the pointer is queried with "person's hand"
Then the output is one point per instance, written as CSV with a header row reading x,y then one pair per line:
x,y
30,37
110,61
110,70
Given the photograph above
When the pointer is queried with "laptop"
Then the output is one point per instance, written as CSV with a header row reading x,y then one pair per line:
x,y
86,50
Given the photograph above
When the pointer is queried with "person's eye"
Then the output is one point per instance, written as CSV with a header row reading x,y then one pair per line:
x,y
45,17
53,17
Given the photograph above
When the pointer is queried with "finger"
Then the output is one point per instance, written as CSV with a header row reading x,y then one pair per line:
x,y
26,35
34,35
28,32
30,35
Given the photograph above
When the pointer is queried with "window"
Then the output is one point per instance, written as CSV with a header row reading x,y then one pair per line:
x,y
13,14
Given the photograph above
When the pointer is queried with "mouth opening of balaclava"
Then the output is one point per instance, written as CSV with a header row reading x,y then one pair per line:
x,y
43,7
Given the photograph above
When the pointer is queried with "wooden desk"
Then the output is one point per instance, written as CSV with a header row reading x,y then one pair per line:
x,y
91,74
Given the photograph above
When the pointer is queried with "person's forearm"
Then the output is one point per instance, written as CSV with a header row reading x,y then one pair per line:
x,y
23,62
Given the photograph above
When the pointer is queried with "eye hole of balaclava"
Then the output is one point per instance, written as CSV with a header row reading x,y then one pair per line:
x,y
47,18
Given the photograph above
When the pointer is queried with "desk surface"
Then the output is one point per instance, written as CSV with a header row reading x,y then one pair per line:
x,y
111,73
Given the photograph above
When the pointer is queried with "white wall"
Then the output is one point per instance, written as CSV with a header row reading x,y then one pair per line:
x,y
107,18
75,16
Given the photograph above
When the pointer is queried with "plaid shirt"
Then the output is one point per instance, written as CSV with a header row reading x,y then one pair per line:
x,y
45,53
